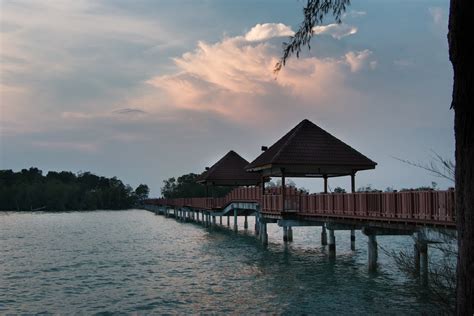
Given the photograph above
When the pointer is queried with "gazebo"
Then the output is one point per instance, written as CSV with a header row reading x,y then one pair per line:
x,y
229,171
309,151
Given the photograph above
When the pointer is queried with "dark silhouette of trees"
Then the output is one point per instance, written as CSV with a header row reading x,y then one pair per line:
x,y
186,186
29,190
141,192
461,55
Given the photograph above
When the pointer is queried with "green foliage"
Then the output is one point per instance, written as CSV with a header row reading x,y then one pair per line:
x,y
141,192
367,188
29,190
314,13
186,186
339,190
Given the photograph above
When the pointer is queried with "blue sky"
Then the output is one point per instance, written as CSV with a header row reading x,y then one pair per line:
x,y
146,90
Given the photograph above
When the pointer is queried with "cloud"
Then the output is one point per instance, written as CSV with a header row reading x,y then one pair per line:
x,y
127,111
66,146
357,60
335,30
354,14
261,32
438,15
234,78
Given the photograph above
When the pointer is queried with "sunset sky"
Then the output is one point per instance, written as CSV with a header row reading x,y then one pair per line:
x,y
145,90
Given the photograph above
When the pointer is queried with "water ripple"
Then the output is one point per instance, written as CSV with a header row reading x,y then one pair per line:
x,y
135,262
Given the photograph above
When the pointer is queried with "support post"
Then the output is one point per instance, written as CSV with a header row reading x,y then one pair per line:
x,y
290,234
353,239
325,177
228,220
283,190
235,220
324,236
213,221
416,254
285,233
424,262
257,225
263,233
332,243
353,183
373,252
246,223
220,220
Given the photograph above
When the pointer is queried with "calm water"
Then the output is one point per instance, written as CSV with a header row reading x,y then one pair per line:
x,y
135,261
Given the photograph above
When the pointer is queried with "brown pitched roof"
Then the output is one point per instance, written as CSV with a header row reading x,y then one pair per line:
x,y
310,149
229,170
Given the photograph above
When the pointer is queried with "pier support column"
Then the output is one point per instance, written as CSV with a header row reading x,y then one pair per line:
x,y
421,259
424,262
213,221
324,236
257,225
290,234
235,220
228,220
353,239
373,252
246,223
263,233
285,234
220,220
332,243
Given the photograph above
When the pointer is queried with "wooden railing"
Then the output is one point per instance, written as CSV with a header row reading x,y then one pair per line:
x,y
419,206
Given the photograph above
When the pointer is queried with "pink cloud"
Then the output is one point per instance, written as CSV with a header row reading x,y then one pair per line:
x,y
234,78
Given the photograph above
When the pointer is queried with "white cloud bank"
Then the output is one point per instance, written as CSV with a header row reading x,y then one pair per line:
x,y
234,77
335,30
261,32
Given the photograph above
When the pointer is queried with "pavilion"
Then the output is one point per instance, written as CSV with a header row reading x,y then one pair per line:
x,y
309,151
229,171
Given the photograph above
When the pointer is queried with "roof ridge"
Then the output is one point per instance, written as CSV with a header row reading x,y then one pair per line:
x,y
344,143
295,131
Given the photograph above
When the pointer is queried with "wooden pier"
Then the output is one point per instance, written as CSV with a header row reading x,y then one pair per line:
x,y
309,151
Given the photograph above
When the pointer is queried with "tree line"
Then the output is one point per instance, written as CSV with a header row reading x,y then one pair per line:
x,y
185,186
30,190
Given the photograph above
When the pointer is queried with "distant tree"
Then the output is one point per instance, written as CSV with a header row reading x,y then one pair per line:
x,y
367,188
339,190
186,186
29,190
142,192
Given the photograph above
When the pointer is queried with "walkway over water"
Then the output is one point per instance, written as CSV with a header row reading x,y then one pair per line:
x,y
374,213
419,208
309,151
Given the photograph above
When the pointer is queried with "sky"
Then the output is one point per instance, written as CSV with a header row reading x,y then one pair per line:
x,y
146,90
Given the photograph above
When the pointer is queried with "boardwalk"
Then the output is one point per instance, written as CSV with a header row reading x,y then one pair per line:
x,y
309,151
412,208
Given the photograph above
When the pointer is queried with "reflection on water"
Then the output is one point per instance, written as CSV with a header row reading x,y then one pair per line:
x,y
132,261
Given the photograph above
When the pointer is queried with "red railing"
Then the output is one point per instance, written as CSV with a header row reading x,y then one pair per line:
x,y
416,206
